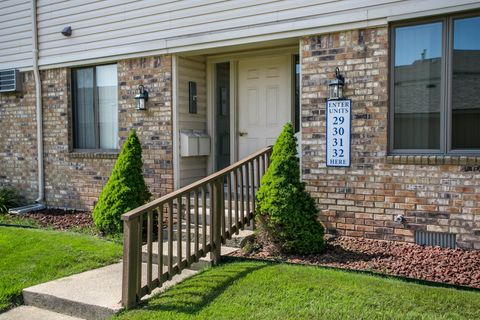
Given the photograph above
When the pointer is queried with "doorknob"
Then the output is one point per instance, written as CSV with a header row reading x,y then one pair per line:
x,y
241,134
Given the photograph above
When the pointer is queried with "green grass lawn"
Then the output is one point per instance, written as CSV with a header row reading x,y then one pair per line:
x,y
256,290
30,256
17,221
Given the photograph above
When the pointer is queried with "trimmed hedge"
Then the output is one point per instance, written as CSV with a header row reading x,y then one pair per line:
x,y
125,189
285,210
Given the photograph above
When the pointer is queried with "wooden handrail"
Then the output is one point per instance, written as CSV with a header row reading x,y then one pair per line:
x,y
162,200
242,180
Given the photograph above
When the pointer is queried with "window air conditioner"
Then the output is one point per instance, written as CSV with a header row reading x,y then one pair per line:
x,y
10,80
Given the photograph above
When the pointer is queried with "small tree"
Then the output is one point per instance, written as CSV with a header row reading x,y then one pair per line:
x,y
285,210
125,189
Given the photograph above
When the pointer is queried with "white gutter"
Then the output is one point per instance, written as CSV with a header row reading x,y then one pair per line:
x,y
38,105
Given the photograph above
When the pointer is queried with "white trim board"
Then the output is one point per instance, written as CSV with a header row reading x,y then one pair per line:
x,y
175,137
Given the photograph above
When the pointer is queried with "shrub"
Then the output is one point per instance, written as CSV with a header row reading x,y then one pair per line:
x,y
285,211
125,189
9,198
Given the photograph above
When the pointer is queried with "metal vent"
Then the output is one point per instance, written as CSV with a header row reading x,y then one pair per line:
x,y
10,80
444,240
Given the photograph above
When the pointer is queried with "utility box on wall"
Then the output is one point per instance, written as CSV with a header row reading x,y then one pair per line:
x,y
194,144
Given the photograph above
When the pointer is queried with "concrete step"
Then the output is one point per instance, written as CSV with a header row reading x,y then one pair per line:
x,y
207,213
91,295
33,313
237,240
202,263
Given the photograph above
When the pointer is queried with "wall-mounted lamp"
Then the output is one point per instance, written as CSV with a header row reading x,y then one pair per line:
x,y
141,98
67,31
335,88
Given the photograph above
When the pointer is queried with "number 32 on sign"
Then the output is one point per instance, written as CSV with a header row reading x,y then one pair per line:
x,y
338,132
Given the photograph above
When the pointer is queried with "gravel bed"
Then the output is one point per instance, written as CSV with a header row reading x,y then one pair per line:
x,y
452,266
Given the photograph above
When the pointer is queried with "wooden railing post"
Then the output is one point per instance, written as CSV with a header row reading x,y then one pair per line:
x,y
130,263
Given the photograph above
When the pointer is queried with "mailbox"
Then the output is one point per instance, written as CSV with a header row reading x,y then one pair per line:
x,y
188,144
194,143
203,144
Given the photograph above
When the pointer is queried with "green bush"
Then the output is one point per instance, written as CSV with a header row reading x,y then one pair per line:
x,y
285,211
125,189
9,198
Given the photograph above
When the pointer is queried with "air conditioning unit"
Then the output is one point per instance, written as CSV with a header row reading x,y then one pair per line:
x,y
10,80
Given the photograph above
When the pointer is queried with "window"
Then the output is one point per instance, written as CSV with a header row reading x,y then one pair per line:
x,y
95,107
435,75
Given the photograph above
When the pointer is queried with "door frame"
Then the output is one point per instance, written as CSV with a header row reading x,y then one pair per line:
x,y
233,59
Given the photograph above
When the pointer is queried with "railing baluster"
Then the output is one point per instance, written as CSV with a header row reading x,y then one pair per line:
x,y
179,233
229,192
222,209
259,177
197,235
235,195
188,240
242,197
247,191
217,190
160,245
149,249
212,190
252,178
139,255
170,239
204,220
266,163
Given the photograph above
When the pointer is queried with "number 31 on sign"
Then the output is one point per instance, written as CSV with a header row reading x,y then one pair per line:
x,y
339,122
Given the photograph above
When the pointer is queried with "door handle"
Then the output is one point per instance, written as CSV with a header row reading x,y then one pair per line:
x,y
241,134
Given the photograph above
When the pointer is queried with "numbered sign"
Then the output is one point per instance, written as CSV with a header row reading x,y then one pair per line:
x,y
338,132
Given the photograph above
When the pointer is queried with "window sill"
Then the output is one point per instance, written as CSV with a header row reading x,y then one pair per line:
x,y
434,160
94,154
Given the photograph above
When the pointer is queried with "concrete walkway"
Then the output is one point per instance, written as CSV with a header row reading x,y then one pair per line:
x,y
91,295
33,313
96,294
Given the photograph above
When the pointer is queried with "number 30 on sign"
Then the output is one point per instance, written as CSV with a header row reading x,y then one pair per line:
x,y
338,133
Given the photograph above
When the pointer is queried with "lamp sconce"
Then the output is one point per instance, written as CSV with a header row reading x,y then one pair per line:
x,y
335,87
141,98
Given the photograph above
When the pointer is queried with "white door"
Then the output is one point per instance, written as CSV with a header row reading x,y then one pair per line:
x,y
264,101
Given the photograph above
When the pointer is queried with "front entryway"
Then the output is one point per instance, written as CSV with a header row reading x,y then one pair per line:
x,y
264,101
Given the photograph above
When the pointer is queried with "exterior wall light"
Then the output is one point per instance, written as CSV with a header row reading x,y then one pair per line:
x,y
141,98
335,88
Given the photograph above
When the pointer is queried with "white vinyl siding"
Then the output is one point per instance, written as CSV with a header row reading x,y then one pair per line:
x,y
192,69
15,34
108,29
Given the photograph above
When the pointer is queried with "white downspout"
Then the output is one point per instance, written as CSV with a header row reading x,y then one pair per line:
x,y
38,104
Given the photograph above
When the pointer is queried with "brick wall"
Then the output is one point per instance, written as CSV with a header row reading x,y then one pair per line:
x,y
440,194
75,179
18,138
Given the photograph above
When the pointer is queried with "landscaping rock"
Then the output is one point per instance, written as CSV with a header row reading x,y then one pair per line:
x,y
453,266
61,219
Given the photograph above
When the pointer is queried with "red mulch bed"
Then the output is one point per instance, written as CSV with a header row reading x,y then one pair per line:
x,y
61,219
452,266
